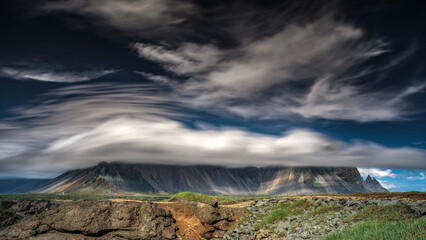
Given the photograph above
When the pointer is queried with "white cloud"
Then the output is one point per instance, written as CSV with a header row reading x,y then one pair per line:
x,y
52,75
422,176
188,59
135,124
387,185
136,17
376,172
263,78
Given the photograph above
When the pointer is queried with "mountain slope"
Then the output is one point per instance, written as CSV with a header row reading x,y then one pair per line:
x,y
116,177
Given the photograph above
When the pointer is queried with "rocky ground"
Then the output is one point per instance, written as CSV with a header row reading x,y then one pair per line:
x,y
272,218
114,219
311,218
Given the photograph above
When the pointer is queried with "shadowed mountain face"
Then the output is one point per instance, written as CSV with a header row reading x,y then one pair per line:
x,y
116,177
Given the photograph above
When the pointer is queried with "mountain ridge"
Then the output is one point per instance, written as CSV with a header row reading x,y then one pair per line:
x,y
117,177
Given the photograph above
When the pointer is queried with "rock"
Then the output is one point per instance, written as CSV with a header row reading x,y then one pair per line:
x,y
210,215
214,203
222,225
262,233
97,219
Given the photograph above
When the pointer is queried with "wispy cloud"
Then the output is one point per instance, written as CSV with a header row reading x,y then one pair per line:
x,y
309,70
136,17
421,176
49,75
137,123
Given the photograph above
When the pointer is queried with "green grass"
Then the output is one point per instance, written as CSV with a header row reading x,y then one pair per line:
x,y
384,230
281,211
204,198
381,213
323,210
196,197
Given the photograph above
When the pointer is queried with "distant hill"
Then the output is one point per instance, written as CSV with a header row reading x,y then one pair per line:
x,y
120,177
20,185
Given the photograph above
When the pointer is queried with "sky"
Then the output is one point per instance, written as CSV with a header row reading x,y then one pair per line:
x,y
231,83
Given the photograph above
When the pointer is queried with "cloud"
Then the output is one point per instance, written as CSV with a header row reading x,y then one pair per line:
x,y
309,70
422,176
387,185
138,123
376,172
136,17
190,58
49,75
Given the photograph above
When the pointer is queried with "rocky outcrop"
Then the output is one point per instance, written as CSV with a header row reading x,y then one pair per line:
x,y
115,219
18,210
373,185
203,221
96,220
216,180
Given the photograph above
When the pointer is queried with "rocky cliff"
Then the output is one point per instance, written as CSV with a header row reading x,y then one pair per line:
x,y
116,177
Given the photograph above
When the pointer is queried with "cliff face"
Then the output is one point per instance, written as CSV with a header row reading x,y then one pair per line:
x,y
373,185
114,177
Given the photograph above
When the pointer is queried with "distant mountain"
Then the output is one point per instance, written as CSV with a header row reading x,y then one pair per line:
x,y
118,177
373,185
20,185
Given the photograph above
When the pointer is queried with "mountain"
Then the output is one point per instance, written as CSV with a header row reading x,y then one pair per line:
x,y
20,185
373,185
118,177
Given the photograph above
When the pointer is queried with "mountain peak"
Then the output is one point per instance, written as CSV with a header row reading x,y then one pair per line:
x,y
372,184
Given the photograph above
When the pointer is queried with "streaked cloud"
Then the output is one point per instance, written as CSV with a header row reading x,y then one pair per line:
x,y
310,70
136,17
49,75
138,123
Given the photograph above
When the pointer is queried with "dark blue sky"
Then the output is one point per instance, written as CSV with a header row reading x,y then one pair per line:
x,y
252,82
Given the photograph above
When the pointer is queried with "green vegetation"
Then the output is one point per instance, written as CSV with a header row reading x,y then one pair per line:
x,y
203,198
196,197
381,213
384,230
323,210
383,222
283,210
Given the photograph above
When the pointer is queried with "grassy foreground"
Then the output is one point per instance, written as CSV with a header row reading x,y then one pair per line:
x,y
384,230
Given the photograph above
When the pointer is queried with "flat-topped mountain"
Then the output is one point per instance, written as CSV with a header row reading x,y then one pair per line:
x,y
148,178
